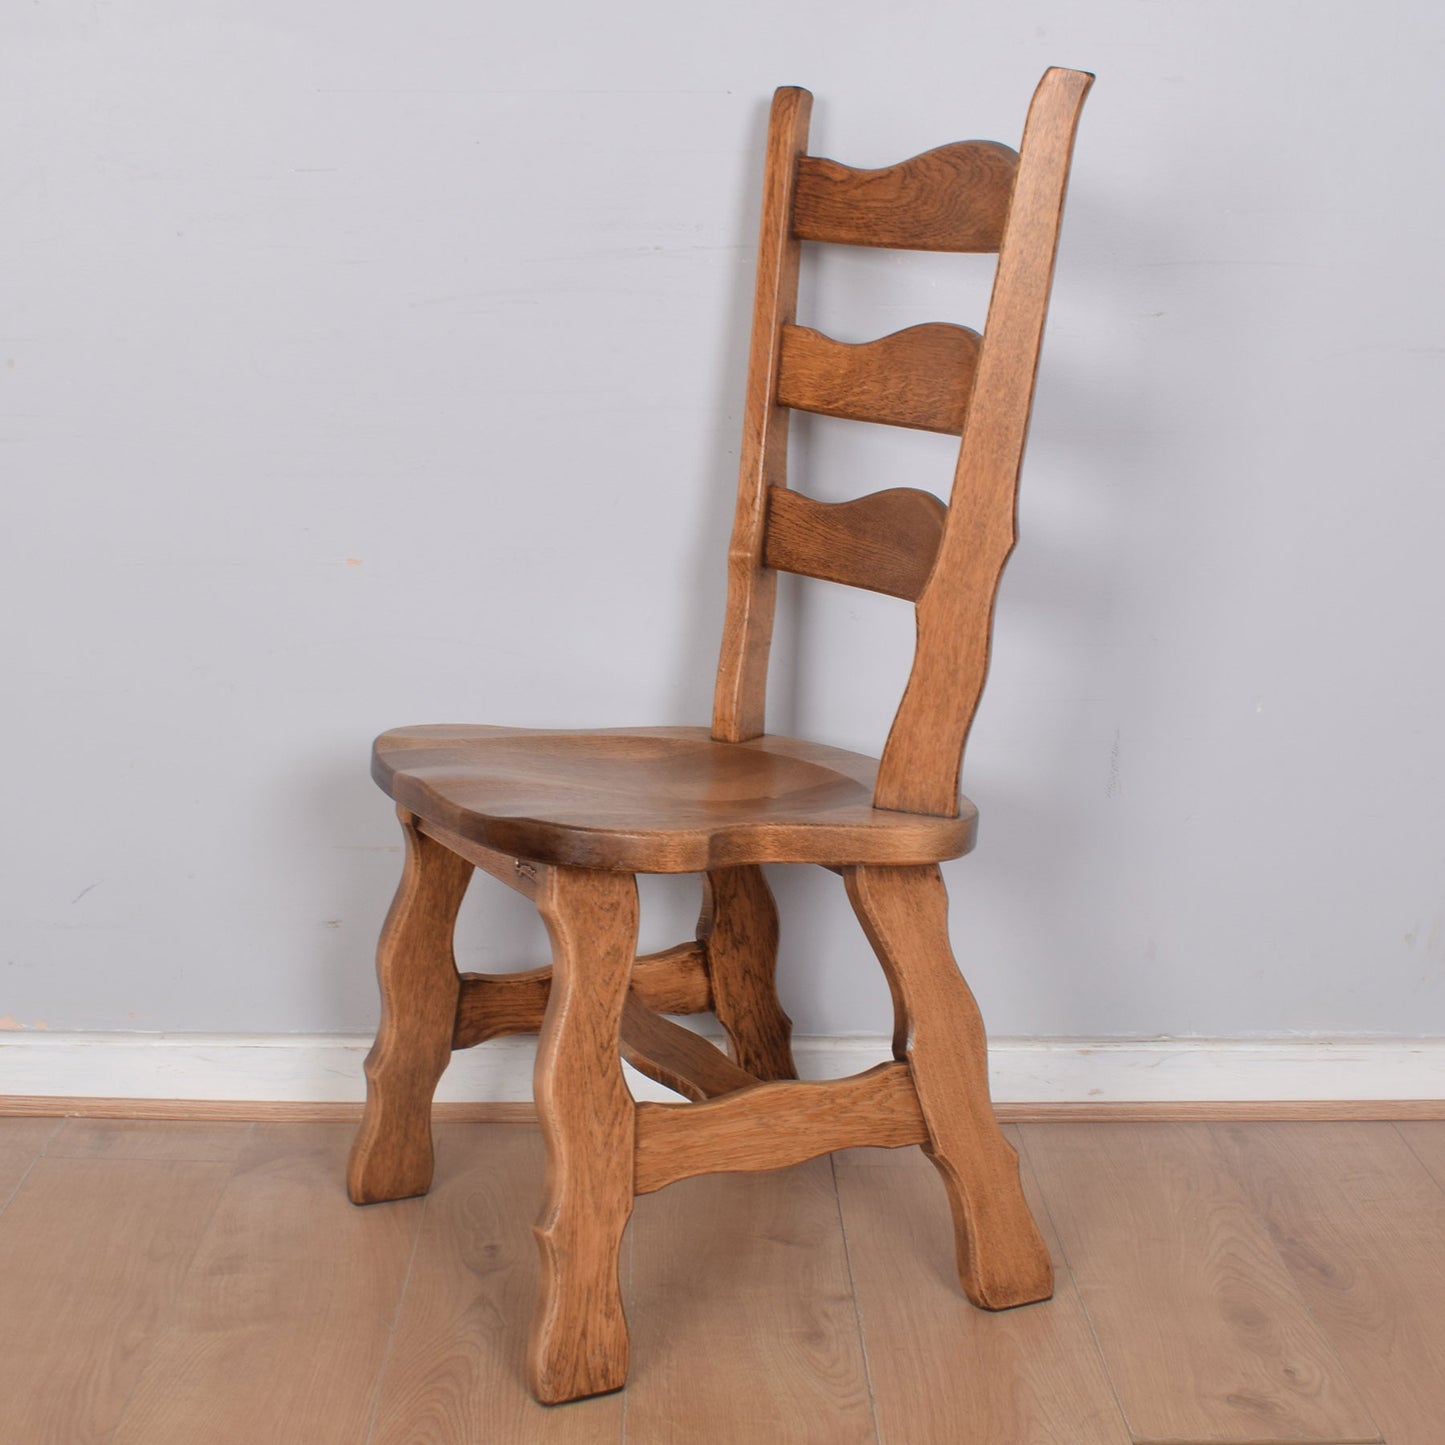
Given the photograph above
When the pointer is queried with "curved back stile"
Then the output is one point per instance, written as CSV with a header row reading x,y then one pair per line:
x,y
971,196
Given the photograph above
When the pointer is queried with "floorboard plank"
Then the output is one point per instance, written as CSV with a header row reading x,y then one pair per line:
x,y
148,1139
743,1324
92,1254
456,1370
1203,1331
944,1373
1427,1143
1361,1225
284,1317
22,1141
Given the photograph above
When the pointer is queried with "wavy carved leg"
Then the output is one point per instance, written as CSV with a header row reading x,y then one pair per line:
x,y
739,931
579,1336
1002,1260
391,1157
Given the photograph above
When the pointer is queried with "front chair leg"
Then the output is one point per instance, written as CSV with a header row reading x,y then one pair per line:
x,y
1002,1260
392,1155
739,933
579,1335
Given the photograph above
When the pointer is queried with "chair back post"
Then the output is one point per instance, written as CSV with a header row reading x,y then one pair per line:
x,y
923,756
742,677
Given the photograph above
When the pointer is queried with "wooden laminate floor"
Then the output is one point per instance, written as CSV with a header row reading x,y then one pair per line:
x,y
200,1284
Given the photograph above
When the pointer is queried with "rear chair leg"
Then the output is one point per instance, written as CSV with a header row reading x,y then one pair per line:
x,y
1002,1260
579,1335
391,1157
739,933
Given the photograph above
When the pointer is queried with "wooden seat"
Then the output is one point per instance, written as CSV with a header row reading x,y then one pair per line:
x,y
570,818
656,800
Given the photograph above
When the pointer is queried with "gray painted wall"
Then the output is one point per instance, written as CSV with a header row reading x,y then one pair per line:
x,y
367,364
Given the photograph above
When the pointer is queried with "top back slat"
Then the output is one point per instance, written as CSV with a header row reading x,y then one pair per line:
x,y
954,198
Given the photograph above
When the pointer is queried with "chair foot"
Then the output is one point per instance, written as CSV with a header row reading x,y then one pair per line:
x,y
1002,1260
579,1334
739,933
391,1157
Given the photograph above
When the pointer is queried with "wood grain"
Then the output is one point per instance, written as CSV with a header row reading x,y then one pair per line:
x,y
456,1371
742,674
738,930
945,1374
676,1057
919,378
1204,1332
21,1143
952,198
1427,1142
282,1323
744,1326
493,1004
145,1139
1001,1258
656,800
92,1255
1359,1223
578,1344
885,542
774,1125
482,1111
417,975
922,757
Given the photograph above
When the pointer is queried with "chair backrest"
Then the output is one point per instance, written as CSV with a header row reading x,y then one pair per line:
x,y
970,196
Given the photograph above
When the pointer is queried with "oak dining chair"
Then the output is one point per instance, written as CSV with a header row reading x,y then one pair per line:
x,y
570,818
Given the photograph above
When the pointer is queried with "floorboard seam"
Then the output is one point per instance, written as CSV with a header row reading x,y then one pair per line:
x,y
395,1324
857,1308
1026,1151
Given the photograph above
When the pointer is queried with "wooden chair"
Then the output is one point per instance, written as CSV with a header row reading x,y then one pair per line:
x,y
569,818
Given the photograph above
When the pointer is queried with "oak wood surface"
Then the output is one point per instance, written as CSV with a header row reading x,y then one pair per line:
x,y
282,1325
578,1344
738,929
919,378
683,1061
491,1005
92,1256
1205,1334
1024,1377
885,542
1001,1258
417,975
922,757
773,1125
655,800
952,198
742,674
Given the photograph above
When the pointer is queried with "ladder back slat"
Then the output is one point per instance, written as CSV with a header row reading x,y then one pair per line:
x,y
918,378
954,198
885,542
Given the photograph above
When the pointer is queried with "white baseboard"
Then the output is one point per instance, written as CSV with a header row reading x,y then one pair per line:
x,y
327,1068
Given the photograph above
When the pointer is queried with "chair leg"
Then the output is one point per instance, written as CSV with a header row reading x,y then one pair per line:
x,y
1002,1260
739,930
579,1335
391,1157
